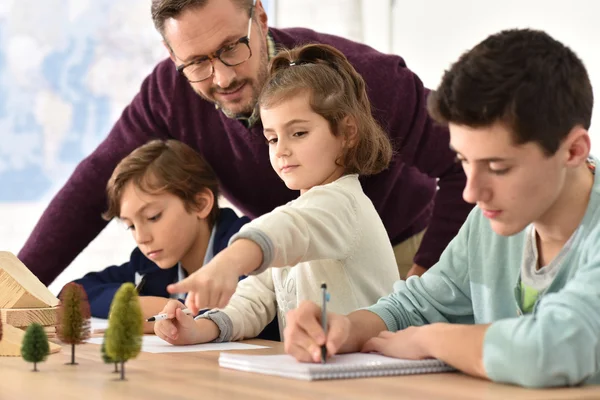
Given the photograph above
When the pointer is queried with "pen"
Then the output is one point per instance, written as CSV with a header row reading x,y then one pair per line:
x,y
161,316
324,320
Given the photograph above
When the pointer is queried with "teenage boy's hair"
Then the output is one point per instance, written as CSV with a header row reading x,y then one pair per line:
x,y
335,91
534,85
163,166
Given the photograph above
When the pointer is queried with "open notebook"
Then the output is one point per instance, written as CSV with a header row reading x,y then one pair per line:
x,y
355,365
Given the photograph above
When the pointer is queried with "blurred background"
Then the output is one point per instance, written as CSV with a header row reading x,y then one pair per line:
x,y
69,67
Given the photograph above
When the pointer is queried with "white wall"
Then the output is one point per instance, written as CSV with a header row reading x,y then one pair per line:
x,y
431,34
367,21
338,17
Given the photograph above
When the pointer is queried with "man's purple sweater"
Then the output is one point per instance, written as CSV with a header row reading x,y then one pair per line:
x,y
166,107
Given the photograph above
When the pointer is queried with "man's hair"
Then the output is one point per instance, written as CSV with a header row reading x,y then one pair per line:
x,y
336,91
165,9
524,79
163,166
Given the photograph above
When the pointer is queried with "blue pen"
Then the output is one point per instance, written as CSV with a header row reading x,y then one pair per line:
x,y
324,299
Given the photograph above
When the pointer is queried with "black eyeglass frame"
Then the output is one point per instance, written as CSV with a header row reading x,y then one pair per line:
x,y
217,54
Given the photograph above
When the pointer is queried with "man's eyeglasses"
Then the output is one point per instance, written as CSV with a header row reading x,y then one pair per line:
x,y
233,54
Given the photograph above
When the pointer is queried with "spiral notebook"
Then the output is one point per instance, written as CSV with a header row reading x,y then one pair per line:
x,y
344,366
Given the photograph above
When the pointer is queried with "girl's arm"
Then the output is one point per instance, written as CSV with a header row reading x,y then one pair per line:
x,y
321,224
250,310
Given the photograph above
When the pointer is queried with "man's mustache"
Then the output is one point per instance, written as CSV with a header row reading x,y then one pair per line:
x,y
231,88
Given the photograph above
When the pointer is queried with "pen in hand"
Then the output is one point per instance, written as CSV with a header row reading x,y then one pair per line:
x,y
324,299
161,316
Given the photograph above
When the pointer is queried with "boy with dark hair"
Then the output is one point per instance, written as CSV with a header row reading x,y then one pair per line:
x,y
515,296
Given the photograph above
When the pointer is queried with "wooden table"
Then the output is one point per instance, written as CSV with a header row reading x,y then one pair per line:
x,y
198,376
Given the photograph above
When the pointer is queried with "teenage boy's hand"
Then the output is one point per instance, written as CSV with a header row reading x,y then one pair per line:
x,y
406,343
213,285
180,328
303,335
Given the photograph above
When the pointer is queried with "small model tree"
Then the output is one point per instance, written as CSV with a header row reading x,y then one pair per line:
x,y
35,347
73,317
125,326
106,358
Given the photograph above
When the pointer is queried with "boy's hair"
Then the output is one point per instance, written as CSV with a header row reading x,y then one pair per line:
x,y
162,10
163,166
336,91
534,85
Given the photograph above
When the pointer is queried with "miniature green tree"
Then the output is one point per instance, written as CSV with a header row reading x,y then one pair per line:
x,y
73,317
35,347
106,358
125,326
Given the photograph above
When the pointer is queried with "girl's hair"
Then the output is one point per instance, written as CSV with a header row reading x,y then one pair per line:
x,y
161,166
336,91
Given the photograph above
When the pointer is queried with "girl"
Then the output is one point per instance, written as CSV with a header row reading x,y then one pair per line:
x,y
321,136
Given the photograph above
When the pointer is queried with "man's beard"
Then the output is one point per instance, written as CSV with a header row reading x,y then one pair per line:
x,y
256,87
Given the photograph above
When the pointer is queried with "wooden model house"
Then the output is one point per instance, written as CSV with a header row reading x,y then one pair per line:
x,y
23,300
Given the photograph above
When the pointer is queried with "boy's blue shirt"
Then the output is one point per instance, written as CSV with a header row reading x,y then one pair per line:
x,y
476,282
101,286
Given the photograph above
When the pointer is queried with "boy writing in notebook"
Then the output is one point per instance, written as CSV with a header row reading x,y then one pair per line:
x,y
166,194
321,136
515,296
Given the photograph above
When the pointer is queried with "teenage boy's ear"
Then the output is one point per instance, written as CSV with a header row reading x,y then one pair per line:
x,y
349,129
577,146
204,203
